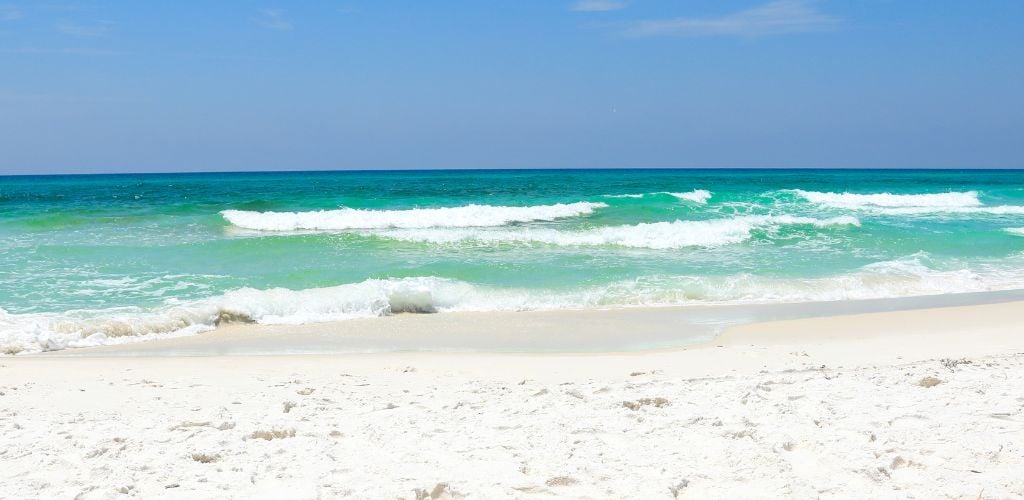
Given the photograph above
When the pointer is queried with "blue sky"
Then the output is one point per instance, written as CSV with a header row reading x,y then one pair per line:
x,y
119,85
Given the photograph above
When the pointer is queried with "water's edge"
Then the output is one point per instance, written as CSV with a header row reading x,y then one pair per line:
x,y
562,331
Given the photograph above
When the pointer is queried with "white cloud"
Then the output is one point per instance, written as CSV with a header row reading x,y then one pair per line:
x,y
273,19
774,18
98,28
597,5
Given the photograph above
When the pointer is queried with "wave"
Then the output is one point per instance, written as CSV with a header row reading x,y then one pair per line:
x,y
1019,231
700,196
381,297
655,235
993,210
888,200
352,218
952,203
370,298
697,196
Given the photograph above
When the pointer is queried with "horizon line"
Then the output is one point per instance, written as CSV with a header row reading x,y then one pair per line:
x,y
490,169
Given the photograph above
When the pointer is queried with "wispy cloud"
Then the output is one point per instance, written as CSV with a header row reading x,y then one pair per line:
x,y
597,5
96,29
273,19
774,18
9,13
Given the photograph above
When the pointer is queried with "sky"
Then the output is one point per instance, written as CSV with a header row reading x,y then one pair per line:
x,y
129,86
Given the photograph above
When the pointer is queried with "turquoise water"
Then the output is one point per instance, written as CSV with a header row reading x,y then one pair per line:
x,y
101,259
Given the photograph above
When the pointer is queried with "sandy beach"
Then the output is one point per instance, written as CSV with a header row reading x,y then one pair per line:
x,y
921,403
584,249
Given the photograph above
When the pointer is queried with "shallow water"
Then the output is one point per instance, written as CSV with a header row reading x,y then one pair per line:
x,y
104,259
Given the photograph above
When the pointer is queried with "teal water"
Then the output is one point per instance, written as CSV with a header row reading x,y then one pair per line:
x,y
100,259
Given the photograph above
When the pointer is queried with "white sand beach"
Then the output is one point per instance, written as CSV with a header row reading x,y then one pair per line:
x,y
925,403
580,249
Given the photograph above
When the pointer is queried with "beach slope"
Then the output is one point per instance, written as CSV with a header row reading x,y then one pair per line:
x,y
925,403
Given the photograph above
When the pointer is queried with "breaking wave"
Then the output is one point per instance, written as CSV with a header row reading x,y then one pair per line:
x,y
952,203
380,297
700,196
889,200
370,298
994,210
353,218
697,196
655,235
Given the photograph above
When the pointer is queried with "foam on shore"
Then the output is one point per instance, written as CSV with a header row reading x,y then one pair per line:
x,y
34,332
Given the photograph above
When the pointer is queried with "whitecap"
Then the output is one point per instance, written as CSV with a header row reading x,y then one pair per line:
x,y
700,196
352,218
950,200
938,204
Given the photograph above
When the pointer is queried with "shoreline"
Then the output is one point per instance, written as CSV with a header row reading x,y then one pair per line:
x,y
886,338
591,331
878,404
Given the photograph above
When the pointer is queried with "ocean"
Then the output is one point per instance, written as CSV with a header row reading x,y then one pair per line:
x,y
100,259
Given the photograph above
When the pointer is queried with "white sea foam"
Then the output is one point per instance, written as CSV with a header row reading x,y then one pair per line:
x,y
993,210
1019,231
951,200
656,235
700,196
952,203
352,218
897,278
41,331
697,196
